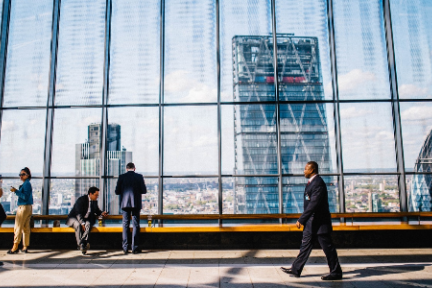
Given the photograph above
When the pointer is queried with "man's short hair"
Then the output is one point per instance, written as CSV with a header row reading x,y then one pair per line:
x,y
130,165
92,190
314,166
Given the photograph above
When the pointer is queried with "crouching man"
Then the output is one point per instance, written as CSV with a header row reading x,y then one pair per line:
x,y
83,216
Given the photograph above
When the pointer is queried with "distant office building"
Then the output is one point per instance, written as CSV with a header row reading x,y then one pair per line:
x,y
304,130
421,186
88,157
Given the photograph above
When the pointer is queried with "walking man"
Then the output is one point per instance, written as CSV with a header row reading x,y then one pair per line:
x,y
130,187
83,216
317,224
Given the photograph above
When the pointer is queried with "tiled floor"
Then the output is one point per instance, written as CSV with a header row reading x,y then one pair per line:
x,y
216,268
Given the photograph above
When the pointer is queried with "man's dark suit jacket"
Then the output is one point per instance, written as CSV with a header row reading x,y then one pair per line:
x,y
316,216
80,210
130,186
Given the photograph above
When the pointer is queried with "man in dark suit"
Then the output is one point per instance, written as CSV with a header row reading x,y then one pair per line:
x,y
83,216
317,224
130,187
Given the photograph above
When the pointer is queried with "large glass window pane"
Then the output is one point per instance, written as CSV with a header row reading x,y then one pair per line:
x,y
22,141
293,193
374,193
361,49
419,192
137,141
247,72
367,137
134,58
412,35
190,196
250,195
190,140
190,51
28,54
303,50
149,200
76,149
65,192
9,200
417,135
81,50
307,134
249,139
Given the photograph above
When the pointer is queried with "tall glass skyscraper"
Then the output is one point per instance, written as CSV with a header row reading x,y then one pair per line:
x,y
304,129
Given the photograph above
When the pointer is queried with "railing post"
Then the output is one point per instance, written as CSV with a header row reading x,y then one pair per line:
x,y
219,116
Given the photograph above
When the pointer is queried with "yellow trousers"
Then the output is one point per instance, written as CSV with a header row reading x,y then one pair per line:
x,y
22,224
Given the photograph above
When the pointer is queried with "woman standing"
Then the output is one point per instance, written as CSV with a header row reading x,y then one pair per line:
x,y
23,215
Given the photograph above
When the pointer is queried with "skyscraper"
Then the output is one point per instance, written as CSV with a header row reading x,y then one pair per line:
x,y
88,155
421,186
304,129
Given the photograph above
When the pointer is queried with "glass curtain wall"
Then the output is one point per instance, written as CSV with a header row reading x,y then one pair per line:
x,y
218,100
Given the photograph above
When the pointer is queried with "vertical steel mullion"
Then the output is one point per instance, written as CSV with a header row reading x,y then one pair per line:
x,y
395,107
3,53
161,108
276,88
336,105
50,110
104,134
219,116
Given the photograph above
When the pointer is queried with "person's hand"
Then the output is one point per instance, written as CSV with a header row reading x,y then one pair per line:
x,y
104,214
13,189
298,224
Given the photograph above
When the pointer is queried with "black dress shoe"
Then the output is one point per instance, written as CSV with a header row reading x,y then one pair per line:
x,y
136,251
24,251
332,277
1,263
125,252
289,271
13,252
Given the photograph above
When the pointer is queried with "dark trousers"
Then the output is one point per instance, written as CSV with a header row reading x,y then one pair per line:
x,y
127,213
306,248
2,215
82,237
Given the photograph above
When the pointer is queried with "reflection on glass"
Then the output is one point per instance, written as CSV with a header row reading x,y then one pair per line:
x,y
9,200
307,134
139,139
190,140
28,54
246,67
293,193
77,142
361,49
22,141
250,195
417,134
65,192
149,200
378,193
134,58
419,187
303,50
80,59
190,51
412,37
367,137
190,196
254,140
